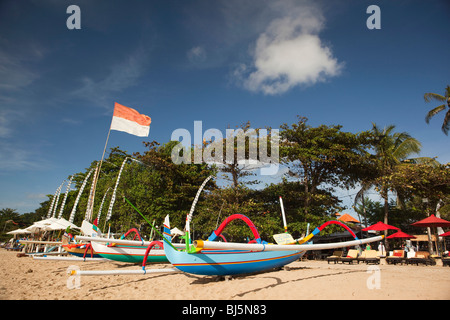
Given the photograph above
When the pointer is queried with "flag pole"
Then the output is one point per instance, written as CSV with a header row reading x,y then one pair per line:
x,y
91,209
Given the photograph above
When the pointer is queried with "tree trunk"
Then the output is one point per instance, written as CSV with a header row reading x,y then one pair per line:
x,y
386,215
430,243
364,215
306,197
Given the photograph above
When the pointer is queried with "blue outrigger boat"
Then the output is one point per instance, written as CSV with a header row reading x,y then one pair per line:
x,y
226,262
225,258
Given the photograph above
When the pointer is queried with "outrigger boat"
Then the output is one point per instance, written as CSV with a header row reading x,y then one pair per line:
x,y
81,250
225,261
134,251
225,258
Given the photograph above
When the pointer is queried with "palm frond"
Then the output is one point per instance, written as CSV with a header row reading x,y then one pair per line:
x,y
446,124
433,112
405,146
430,96
432,162
360,195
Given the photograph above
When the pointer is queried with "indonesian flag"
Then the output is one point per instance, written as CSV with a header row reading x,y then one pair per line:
x,y
130,121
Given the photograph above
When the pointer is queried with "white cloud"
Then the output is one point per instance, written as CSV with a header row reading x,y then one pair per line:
x,y
197,55
289,53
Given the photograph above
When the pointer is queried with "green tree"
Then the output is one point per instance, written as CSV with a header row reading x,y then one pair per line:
x,y
239,144
321,207
9,220
437,97
426,180
165,187
322,155
391,148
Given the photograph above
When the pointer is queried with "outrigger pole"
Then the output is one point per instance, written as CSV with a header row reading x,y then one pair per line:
x,y
120,241
120,272
255,247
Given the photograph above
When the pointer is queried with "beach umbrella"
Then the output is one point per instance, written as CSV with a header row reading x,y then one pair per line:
x,y
400,235
348,218
60,224
380,226
432,221
447,234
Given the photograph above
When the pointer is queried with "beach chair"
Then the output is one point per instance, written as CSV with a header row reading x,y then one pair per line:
x,y
335,256
398,256
352,255
362,257
421,257
370,256
446,261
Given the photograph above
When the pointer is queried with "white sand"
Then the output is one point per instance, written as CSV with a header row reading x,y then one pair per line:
x,y
23,278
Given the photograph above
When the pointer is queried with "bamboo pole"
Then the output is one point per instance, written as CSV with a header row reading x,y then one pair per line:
x,y
68,258
200,244
122,241
121,272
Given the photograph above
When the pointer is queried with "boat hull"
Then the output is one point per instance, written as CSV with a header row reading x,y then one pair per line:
x,y
226,262
129,253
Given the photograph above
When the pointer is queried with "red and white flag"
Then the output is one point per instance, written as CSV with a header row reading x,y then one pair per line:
x,y
129,120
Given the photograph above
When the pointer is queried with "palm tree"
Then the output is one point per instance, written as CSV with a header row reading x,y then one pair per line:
x,y
446,98
391,148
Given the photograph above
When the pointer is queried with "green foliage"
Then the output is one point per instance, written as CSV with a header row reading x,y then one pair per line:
x,y
322,155
428,97
11,220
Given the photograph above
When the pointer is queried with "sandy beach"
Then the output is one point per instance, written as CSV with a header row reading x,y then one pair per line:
x,y
23,278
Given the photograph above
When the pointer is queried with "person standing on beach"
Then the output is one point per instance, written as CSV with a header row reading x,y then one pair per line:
x,y
381,249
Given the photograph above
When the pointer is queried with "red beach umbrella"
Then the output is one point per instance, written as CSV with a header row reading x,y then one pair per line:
x,y
400,235
447,234
432,221
380,226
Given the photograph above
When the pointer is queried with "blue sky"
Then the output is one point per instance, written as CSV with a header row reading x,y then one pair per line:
x,y
221,62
